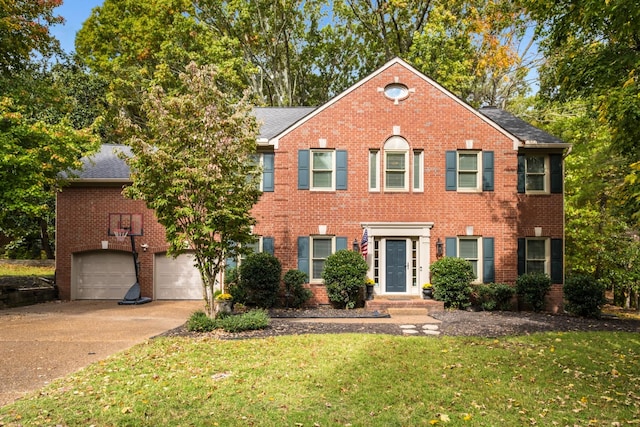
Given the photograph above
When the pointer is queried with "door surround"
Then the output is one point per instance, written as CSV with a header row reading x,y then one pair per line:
x,y
419,230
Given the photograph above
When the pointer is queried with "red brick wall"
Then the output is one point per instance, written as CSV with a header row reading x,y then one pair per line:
x,y
82,224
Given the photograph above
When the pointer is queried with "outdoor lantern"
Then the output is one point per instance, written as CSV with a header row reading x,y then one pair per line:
x,y
439,248
356,245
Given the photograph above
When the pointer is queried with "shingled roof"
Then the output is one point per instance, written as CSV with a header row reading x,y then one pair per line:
x,y
522,130
106,164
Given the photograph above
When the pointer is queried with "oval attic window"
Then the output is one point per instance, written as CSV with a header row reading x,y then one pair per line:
x,y
396,91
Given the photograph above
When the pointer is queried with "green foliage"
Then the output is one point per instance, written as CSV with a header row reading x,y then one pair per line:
x,y
191,161
295,293
24,29
451,279
260,279
533,287
495,296
344,276
584,296
249,321
200,322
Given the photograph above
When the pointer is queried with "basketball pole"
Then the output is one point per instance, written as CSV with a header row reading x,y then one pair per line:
x,y
136,263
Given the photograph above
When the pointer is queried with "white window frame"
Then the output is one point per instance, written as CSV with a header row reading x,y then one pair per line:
x,y
478,187
405,171
332,187
374,175
547,254
313,279
479,255
418,171
259,250
546,174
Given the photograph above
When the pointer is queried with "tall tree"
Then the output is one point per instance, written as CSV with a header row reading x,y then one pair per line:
x,y
135,45
191,162
24,29
593,48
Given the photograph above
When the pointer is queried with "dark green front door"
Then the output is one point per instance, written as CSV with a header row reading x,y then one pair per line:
x,y
396,256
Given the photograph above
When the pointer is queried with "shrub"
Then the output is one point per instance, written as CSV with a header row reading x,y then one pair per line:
x,y
249,321
200,322
451,279
344,276
584,296
533,287
295,293
260,280
495,296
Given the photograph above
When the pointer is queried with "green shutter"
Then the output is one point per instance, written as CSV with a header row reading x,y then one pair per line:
x,y
303,255
557,275
555,164
341,170
267,172
341,243
303,169
268,245
487,171
522,252
521,174
451,246
488,260
451,170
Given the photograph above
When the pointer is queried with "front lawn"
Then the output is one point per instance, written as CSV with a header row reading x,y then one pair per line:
x,y
583,379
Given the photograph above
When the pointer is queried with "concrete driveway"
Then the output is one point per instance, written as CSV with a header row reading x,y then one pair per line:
x,y
40,343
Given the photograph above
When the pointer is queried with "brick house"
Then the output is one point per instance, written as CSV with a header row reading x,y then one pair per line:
x,y
396,155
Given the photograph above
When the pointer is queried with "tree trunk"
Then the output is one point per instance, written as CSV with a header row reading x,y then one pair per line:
x,y
44,238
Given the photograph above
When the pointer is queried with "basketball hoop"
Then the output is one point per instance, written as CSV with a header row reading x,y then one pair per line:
x,y
121,234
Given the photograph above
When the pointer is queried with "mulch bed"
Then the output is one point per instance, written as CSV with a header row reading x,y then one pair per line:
x,y
454,323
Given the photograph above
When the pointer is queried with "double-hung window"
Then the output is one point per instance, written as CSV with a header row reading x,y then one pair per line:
x,y
536,256
322,170
540,173
479,251
469,167
313,252
468,249
321,248
395,170
541,255
536,173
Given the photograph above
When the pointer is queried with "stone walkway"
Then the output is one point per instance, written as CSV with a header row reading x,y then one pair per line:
x,y
428,329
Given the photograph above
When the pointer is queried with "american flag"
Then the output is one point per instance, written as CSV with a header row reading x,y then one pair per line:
x,y
364,243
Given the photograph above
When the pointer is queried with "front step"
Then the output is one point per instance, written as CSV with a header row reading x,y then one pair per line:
x,y
405,305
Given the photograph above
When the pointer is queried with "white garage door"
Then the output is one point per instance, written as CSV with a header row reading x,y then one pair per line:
x,y
103,275
177,278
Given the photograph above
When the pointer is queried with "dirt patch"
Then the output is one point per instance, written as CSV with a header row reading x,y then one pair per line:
x,y
453,323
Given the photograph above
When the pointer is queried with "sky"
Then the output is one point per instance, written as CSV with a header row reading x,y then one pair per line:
x,y
75,12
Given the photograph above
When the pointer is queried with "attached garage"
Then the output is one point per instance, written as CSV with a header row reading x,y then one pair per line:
x,y
102,275
176,278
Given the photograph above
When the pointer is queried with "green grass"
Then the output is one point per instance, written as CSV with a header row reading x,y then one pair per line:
x,y
564,379
23,270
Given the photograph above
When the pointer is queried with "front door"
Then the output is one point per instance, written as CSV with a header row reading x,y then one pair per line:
x,y
396,256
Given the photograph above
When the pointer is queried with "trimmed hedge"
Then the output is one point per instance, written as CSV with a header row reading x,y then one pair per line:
x,y
533,287
495,296
249,321
451,279
344,276
259,281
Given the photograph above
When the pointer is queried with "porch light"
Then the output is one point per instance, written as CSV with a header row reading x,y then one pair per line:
x,y
356,245
439,248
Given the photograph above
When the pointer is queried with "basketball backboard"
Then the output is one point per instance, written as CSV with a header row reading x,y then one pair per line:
x,y
131,222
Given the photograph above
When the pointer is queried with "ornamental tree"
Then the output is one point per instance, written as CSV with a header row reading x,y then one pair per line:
x,y
192,164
